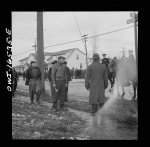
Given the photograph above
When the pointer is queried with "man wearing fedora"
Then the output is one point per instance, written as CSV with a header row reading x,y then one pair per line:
x,y
59,80
96,81
33,78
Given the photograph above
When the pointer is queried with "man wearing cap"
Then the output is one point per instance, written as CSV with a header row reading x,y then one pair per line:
x,y
68,79
33,75
50,78
59,80
105,60
96,81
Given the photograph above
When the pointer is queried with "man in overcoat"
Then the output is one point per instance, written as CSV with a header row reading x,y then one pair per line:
x,y
33,76
96,81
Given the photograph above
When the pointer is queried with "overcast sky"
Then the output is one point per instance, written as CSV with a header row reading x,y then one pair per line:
x,y
60,27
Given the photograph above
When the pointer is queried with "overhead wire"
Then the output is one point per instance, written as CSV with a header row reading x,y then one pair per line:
x,y
117,30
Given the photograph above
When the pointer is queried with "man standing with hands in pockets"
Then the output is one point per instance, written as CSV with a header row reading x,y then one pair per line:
x,y
96,81
59,80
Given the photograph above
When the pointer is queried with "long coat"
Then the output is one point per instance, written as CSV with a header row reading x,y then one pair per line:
x,y
97,81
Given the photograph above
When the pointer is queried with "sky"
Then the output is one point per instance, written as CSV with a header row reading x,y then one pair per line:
x,y
60,27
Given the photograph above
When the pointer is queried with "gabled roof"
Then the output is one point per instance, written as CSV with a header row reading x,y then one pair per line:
x,y
24,59
63,52
58,53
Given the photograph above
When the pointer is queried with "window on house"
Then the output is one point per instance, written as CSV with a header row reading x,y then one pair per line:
x,y
77,56
80,65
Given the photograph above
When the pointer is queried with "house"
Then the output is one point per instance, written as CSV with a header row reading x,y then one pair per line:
x,y
75,59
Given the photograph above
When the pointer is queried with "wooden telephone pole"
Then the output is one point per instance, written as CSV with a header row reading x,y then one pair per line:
x,y
84,39
40,48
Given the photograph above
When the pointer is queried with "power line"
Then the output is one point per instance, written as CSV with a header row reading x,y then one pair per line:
x,y
77,24
112,31
78,28
81,39
92,36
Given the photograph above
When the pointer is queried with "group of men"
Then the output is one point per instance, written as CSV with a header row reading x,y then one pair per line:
x,y
59,77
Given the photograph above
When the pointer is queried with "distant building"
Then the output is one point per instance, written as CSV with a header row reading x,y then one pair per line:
x,y
75,59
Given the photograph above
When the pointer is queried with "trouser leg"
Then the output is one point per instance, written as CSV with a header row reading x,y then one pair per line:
x,y
32,90
15,85
38,90
56,95
94,108
101,105
62,93
66,93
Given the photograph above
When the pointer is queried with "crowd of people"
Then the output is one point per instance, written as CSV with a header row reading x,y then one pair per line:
x,y
96,80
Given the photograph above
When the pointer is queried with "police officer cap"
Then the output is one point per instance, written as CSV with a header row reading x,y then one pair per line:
x,y
65,62
32,62
103,54
61,57
95,56
53,62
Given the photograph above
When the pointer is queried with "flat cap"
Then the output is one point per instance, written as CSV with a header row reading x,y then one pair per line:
x,y
95,56
53,62
32,62
61,57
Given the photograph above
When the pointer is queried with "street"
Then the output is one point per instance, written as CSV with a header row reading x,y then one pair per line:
x,y
77,90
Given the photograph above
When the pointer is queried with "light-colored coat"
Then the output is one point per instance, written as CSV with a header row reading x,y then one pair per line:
x,y
97,81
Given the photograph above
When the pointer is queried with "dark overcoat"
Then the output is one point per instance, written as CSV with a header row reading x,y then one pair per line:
x,y
97,81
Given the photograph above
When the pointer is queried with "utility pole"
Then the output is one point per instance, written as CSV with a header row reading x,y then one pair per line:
x,y
84,39
35,48
40,48
134,19
123,51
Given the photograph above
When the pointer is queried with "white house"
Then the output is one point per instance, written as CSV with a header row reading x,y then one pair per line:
x,y
75,59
